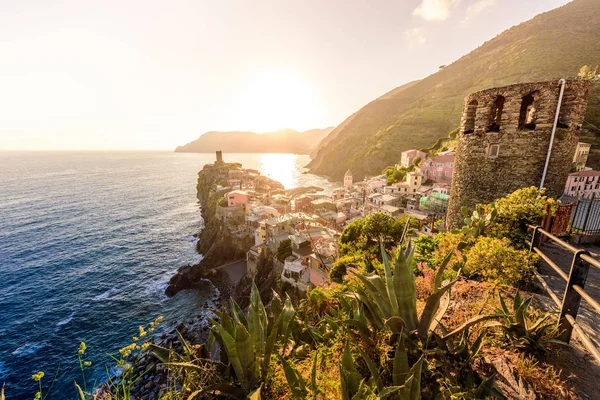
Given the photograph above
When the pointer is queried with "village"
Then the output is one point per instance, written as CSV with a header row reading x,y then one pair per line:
x,y
308,223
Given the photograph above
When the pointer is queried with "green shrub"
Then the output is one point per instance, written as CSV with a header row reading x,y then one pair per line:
x,y
337,273
284,250
495,260
517,210
223,202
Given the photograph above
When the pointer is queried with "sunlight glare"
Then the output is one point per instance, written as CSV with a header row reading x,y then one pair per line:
x,y
275,99
280,167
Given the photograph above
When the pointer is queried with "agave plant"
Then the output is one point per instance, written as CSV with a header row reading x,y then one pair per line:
x,y
247,342
391,301
516,327
406,379
298,385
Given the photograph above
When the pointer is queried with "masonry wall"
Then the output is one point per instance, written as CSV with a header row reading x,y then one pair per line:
x,y
479,177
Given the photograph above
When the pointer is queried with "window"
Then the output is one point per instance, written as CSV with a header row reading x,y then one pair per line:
x,y
495,118
493,150
446,174
573,188
433,173
470,117
528,113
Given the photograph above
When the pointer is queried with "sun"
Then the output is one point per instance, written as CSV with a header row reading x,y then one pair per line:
x,y
277,98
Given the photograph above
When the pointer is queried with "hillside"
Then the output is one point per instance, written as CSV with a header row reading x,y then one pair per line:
x,y
281,141
551,45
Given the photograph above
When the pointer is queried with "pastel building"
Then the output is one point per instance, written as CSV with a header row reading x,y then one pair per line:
x,y
408,157
438,168
581,155
237,198
583,183
348,179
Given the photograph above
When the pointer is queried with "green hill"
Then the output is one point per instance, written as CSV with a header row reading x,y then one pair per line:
x,y
551,45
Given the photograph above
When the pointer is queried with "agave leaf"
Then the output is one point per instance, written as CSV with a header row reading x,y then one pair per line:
x,y
388,392
350,376
389,281
406,292
231,349
437,283
521,312
406,391
373,370
186,347
255,395
395,324
80,394
517,302
487,387
245,350
415,370
431,306
2,393
163,354
477,344
237,312
503,305
470,323
266,357
294,379
313,375
377,290
401,369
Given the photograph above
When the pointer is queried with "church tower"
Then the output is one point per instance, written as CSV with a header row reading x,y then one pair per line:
x,y
348,179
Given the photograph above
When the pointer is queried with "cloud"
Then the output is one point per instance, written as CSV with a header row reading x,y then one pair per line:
x,y
477,8
415,37
435,10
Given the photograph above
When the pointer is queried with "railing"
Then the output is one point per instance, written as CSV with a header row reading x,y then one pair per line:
x,y
574,290
585,214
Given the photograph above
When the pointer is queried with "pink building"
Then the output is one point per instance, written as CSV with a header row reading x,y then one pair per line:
x,y
237,198
438,168
583,183
407,157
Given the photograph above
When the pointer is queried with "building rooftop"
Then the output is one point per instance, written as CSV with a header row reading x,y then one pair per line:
x,y
585,173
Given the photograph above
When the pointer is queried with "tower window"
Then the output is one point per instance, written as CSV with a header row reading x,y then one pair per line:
x,y
495,118
493,150
528,114
470,117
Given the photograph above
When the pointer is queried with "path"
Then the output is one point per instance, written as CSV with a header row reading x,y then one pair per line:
x,y
583,366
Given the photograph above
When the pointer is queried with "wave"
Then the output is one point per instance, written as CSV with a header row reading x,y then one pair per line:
x,y
66,320
106,295
28,349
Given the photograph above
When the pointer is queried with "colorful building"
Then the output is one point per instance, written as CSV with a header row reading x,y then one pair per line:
x,y
408,157
438,168
581,155
583,183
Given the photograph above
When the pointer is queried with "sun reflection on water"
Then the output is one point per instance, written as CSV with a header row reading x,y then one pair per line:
x,y
280,167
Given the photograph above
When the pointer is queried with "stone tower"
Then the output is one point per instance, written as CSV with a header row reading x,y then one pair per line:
x,y
219,156
504,138
348,179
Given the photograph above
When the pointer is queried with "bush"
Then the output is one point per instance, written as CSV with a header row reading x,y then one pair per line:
x,y
223,202
337,273
495,260
517,210
284,250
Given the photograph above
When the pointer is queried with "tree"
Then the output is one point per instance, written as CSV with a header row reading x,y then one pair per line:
x,y
284,250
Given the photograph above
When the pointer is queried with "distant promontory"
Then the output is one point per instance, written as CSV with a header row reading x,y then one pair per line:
x,y
281,141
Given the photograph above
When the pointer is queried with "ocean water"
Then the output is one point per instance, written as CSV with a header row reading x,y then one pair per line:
x,y
88,242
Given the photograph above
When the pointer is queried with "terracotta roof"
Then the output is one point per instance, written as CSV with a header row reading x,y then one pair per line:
x,y
443,159
585,173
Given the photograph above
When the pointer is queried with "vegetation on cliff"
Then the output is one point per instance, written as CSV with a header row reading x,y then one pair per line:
x,y
552,45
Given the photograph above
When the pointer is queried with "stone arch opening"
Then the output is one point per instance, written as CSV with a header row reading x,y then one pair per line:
x,y
528,114
495,118
470,117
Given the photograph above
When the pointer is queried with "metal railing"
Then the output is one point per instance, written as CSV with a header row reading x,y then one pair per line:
x,y
574,289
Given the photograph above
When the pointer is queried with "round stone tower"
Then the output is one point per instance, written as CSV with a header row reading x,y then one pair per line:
x,y
504,137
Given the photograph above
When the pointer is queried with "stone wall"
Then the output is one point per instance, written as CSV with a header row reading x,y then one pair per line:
x,y
518,119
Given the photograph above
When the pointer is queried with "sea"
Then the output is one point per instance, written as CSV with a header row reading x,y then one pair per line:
x,y
88,242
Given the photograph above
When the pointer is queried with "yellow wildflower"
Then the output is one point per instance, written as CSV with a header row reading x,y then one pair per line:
x,y
142,331
126,367
38,396
87,363
82,348
145,345
135,338
37,377
126,351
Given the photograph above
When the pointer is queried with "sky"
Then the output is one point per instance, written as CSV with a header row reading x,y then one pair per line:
x,y
144,74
